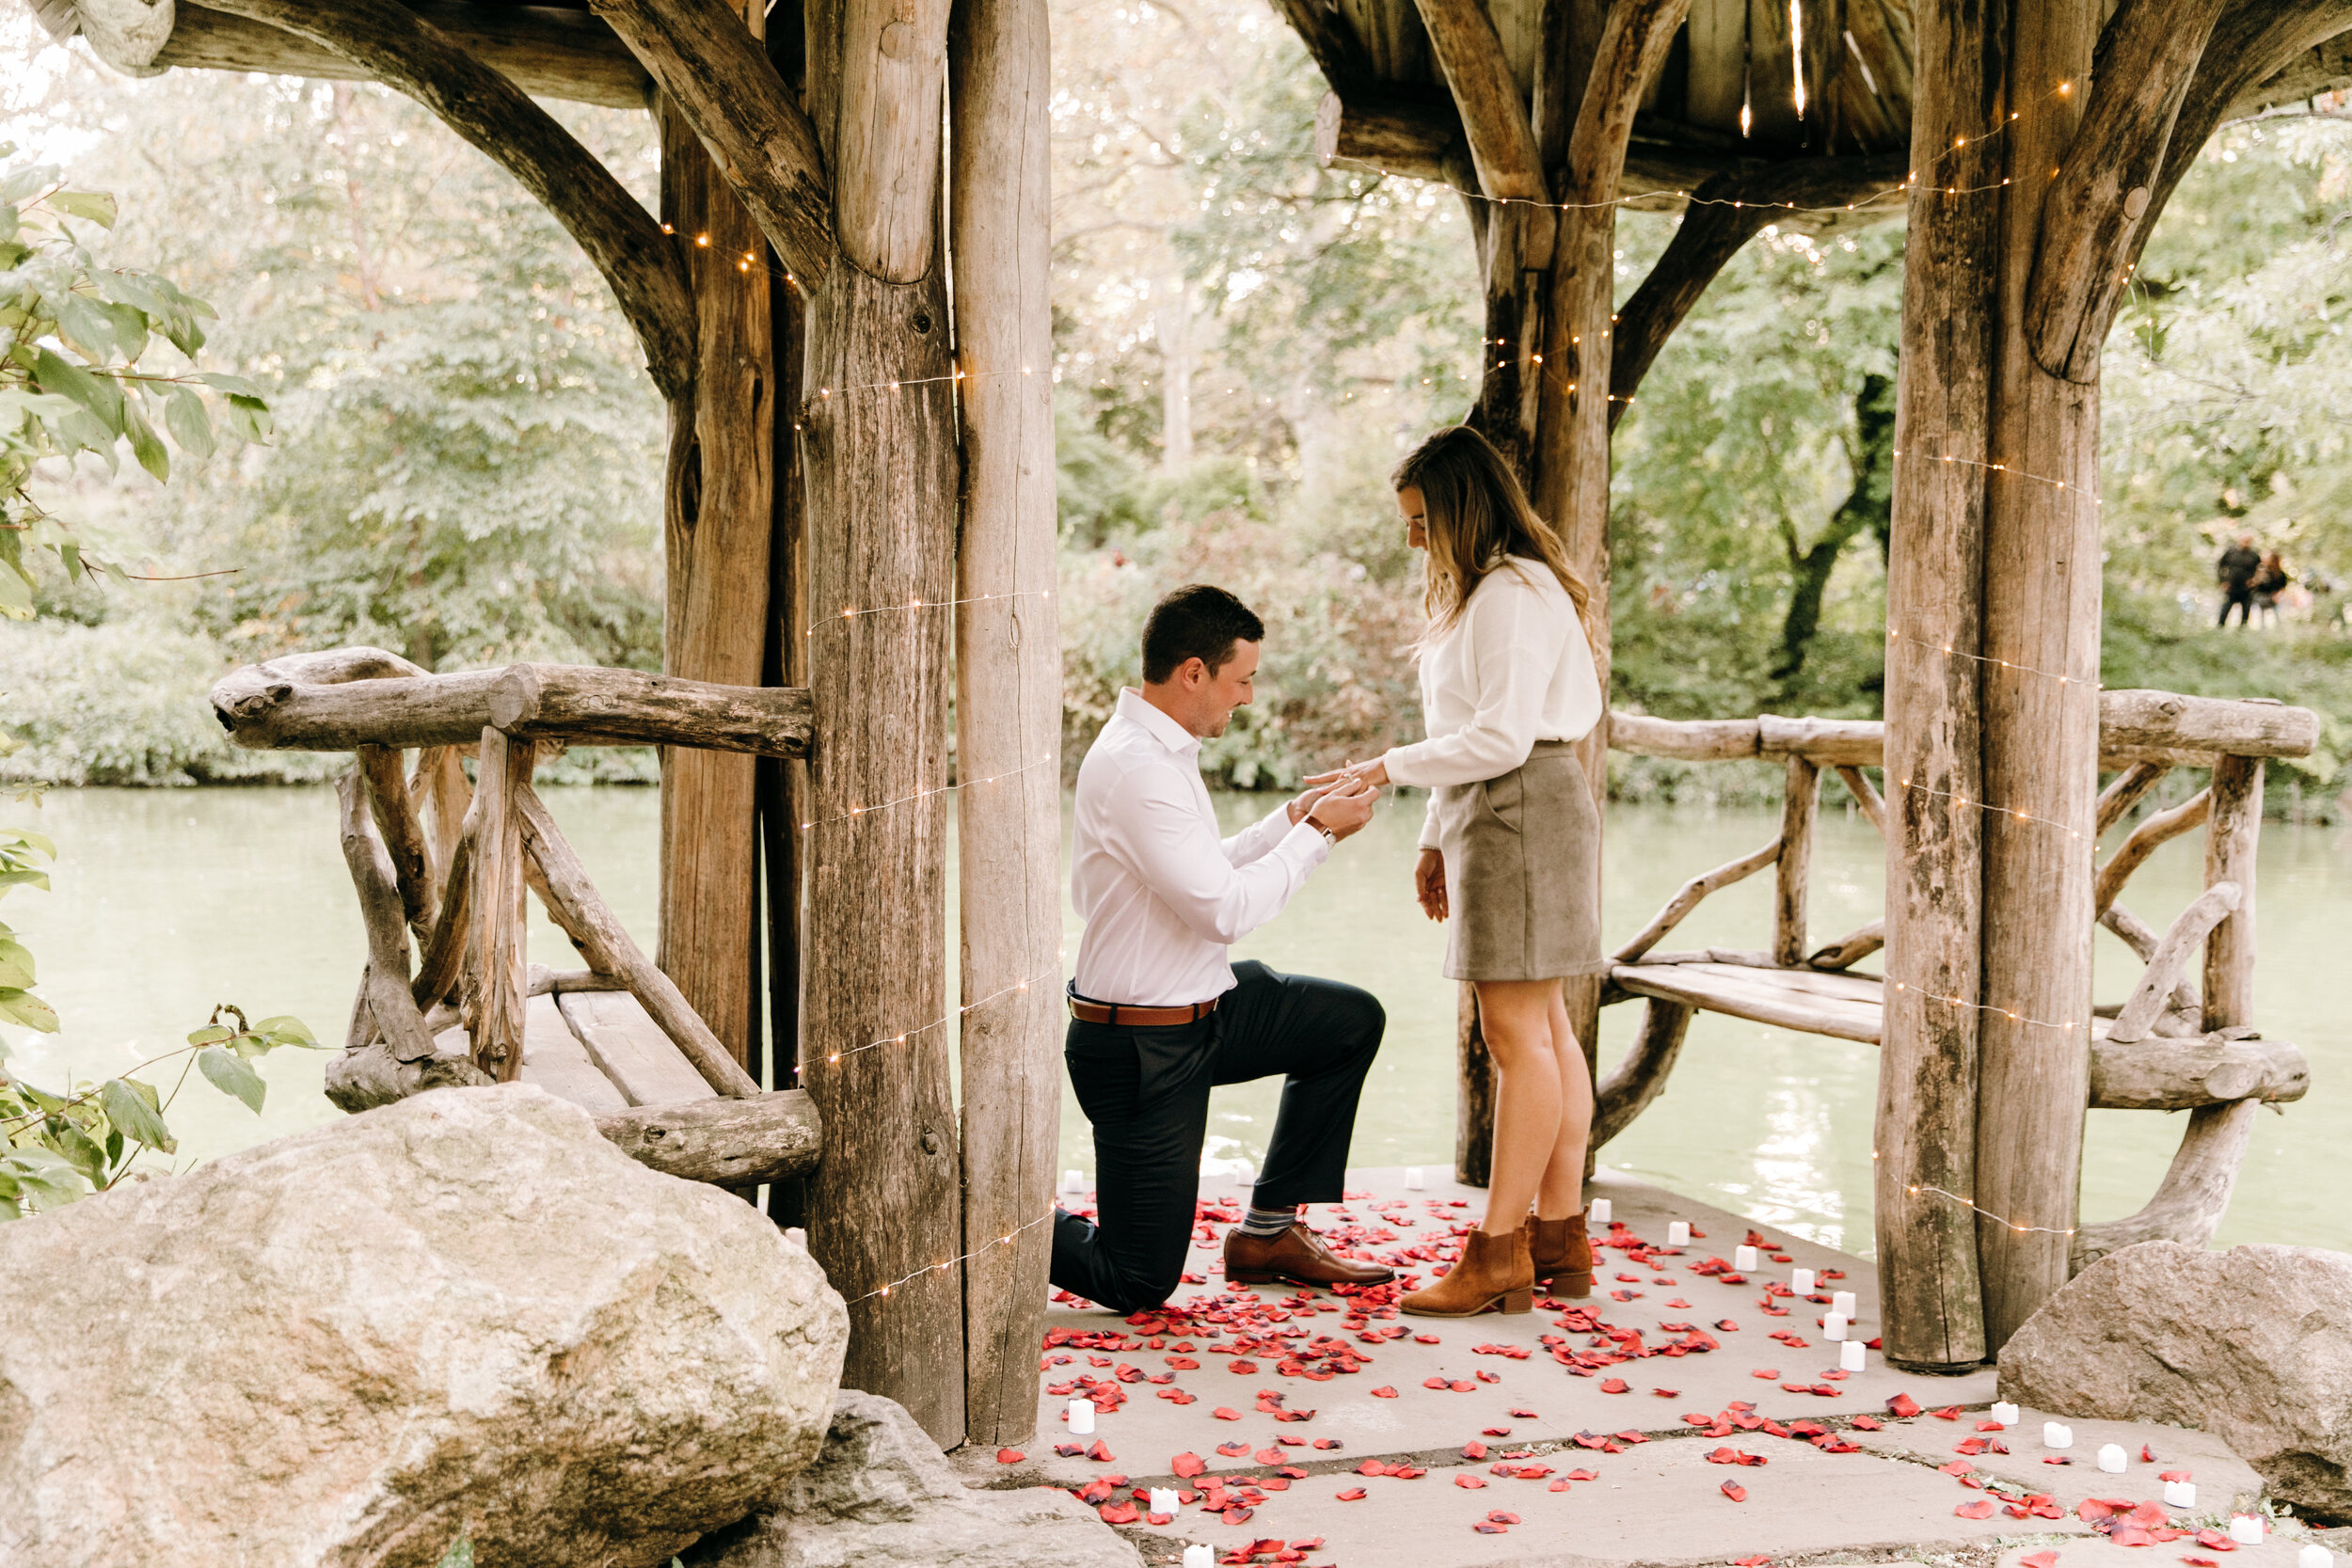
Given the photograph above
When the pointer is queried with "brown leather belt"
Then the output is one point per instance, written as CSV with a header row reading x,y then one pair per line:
x,y
1146,1018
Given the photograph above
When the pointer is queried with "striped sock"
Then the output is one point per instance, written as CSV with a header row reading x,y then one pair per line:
x,y
1268,1221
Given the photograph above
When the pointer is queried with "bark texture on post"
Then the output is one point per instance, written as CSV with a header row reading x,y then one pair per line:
x,y
718,517
1927,1105
1009,701
2231,839
2040,713
879,442
496,1022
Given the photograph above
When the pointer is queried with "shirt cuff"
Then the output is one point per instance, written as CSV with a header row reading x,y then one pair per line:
x,y
1304,846
1403,762
1429,824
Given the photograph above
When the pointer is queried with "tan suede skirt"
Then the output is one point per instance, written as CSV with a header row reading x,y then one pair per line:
x,y
1522,872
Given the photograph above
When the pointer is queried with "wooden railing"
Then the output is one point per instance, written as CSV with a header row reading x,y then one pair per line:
x,y
443,860
2170,1046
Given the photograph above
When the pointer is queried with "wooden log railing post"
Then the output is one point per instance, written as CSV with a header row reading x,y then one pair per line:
x,y
1009,702
403,833
1797,808
496,1016
2233,834
1473,1094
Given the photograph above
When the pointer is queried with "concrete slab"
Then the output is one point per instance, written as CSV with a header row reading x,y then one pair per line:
x,y
1147,1432
2223,1481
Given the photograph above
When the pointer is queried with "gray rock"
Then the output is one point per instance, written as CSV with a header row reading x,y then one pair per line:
x,y
883,1496
2253,1345
463,1312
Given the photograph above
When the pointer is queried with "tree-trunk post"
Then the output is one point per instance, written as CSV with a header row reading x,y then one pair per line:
x,y
498,931
2039,707
1473,1095
878,442
718,513
1799,806
1007,702
2233,834
1927,1101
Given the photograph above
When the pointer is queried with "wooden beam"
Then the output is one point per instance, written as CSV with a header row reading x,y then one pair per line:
x,y
2233,834
2169,720
713,72
494,1017
1771,78
1851,948
568,884
548,53
1865,794
444,950
2324,67
2185,1074
2196,1190
727,1143
1719,64
385,989
1799,806
1008,700
1495,118
1389,132
381,772
2148,998
2156,829
1723,215
2129,788
1688,896
1926,1101
404,51
2105,187
1473,1093
1640,1077
1332,43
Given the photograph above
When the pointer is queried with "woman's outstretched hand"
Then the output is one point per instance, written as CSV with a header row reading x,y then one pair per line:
x,y
1374,773
1429,883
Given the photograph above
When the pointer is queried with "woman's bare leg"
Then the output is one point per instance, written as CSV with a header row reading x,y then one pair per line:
x,y
1515,1016
1561,1193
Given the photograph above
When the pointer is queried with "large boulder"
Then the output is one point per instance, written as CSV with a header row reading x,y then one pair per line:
x,y
2253,1345
466,1312
883,1496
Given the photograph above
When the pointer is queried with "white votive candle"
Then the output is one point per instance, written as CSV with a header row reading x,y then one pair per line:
x,y
1833,1325
1599,1211
1678,1232
2315,1556
1850,1356
1842,1302
1074,1181
1743,1259
1163,1500
1081,1417
1199,1556
2112,1458
1414,1179
2246,1529
2055,1436
2180,1494
2005,1413
1800,1281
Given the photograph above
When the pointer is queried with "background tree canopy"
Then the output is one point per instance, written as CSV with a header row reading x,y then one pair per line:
x,y
467,450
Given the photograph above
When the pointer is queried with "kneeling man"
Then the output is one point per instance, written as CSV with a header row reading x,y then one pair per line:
x,y
1157,1014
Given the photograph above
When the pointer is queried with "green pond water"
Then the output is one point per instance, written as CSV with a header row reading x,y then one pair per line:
x,y
167,902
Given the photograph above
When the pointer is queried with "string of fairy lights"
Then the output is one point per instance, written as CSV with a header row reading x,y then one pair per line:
x,y
1910,183
1973,1207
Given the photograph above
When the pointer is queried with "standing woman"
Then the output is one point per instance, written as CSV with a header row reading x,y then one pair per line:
x,y
1510,853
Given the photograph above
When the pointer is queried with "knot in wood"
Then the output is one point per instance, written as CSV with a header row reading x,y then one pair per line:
x,y
896,40
2136,203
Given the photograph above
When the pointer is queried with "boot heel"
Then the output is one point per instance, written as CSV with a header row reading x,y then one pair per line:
x,y
1572,1285
1517,1300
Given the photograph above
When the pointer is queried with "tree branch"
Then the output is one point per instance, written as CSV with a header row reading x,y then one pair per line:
x,y
392,43
1502,138
1331,42
1723,215
700,54
2104,194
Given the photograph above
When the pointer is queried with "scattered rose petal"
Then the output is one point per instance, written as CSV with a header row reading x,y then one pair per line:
x,y
1473,1450
1222,1414
1902,1406
1615,1385
1353,1495
1735,1491
1767,1373
1009,1456
1187,1464
2038,1559
1469,1483
1383,1392
1502,1516
1980,1508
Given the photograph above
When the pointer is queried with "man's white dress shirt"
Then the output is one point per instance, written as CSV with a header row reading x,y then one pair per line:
x,y
1514,669
1161,894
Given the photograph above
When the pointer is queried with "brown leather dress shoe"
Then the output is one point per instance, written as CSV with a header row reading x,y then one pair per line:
x,y
1562,1254
1298,1255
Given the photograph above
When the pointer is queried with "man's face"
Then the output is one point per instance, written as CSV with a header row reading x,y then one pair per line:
x,y
1211,696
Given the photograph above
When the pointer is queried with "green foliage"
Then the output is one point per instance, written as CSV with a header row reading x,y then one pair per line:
x,y
56,1148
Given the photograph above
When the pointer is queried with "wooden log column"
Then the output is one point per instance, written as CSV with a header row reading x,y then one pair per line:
x,y
2040,713
878,444
1927,1105
718,518
2232,837
1009,701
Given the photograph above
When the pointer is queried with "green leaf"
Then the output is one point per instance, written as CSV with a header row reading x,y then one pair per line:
x,y
22,1006
231,1076
18,184
460,1554
26,838
135,1113
84,324
16,965
22,876
211,1033
44,1175
190,423
235,386
285,1029
145,444
102,399
79,1148
249,417
96,206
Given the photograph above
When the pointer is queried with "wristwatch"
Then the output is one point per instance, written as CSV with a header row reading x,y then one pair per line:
x,y
1331,839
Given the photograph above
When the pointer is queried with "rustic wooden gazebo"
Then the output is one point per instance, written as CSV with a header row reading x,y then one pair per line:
x,y
860,480
2031,145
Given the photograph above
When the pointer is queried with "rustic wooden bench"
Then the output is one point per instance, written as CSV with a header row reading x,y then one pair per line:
x,y
2165,1048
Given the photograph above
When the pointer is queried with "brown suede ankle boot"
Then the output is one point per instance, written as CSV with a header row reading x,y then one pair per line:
x,y
1562,1254
1494,1273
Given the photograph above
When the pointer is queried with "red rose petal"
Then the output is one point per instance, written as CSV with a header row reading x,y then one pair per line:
x,y
2038,1559
1980,1508
1767,1373
1614,1385
1560,1485
1353,1495
1469,1483
1099,1453
1482,1528
1735,1491
1187,1464
1902,1406
1009,1456
1383,1392
1473,1450
1222,1414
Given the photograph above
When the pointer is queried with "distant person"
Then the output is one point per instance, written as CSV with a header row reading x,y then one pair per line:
x,y
2270,579
2236,572
1158,1016
1511,853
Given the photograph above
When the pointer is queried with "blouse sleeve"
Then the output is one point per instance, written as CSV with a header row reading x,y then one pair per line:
x,y
1516,641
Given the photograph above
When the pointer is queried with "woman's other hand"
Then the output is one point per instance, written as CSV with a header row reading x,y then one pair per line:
x,y
1429,883
1374,773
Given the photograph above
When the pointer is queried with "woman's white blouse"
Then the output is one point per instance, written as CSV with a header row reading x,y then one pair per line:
x,y
1514,669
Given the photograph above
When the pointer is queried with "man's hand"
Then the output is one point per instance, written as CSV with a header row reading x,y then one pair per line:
x,y
1344,808
1306,802
1429,883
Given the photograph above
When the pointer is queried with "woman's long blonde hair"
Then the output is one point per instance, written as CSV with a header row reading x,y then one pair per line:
x,y
1475,514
